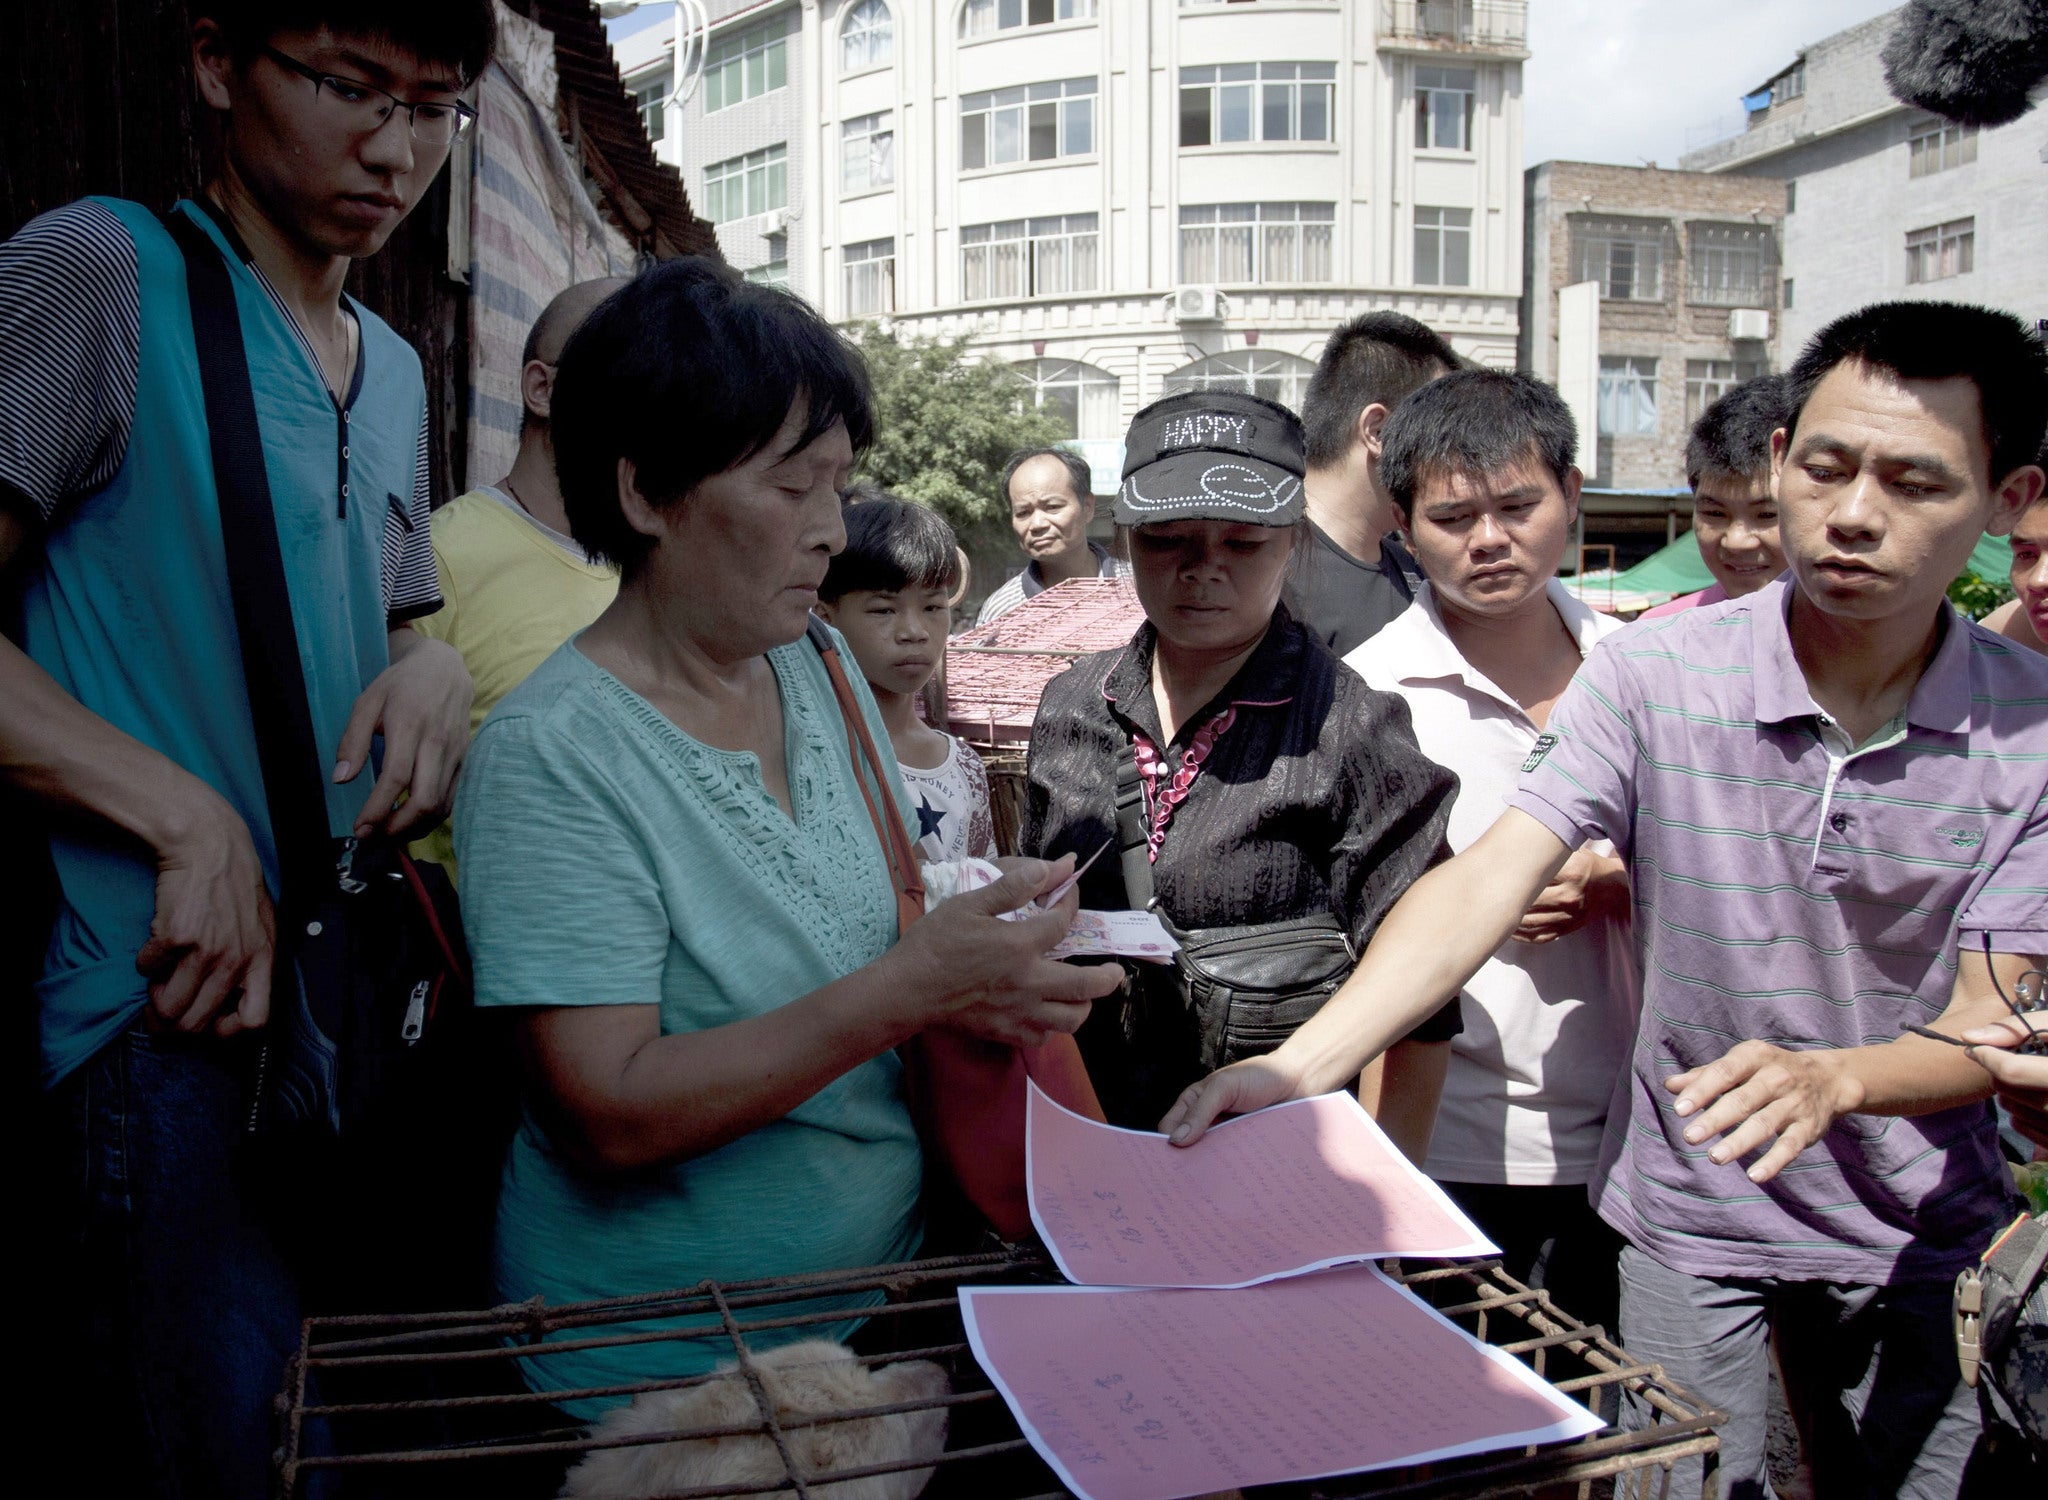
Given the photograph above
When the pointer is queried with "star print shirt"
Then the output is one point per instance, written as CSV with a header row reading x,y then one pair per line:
x,y
950,802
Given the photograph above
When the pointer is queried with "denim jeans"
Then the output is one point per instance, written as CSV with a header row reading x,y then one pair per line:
x,y
1870,1370
184,1311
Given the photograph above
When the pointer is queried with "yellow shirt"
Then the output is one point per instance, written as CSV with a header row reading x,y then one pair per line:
x,y
511,593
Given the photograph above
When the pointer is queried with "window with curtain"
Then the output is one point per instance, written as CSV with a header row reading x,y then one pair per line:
x,y
745,64
1443,246
1257,102
1937,145
746,185
868,37
1708,380
1239,244
870,278
1032,122
650,97
1258,372
770,273
1443,108
986,17
1028,257
1628,395
1626,256
1733,265
1941,250
1082,398
867,145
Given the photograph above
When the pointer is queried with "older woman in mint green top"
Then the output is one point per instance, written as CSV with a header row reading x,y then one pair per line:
x,y
669,867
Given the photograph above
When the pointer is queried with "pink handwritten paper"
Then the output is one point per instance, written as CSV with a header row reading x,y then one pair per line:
x,y
1153,1394
1294,1188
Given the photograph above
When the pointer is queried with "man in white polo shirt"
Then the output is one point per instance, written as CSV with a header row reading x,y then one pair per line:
x,y
1481,656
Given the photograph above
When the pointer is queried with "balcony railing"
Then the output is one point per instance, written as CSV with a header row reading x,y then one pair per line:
x,y
1456,25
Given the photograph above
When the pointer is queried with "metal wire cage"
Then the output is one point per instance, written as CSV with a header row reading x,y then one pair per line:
x,y
429,1403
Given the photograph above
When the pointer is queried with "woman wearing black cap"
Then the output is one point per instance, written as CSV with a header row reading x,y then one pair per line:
x,y
1273,807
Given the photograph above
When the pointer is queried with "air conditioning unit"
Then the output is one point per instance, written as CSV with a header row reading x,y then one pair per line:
x,y
1749,323
1197,304
774,222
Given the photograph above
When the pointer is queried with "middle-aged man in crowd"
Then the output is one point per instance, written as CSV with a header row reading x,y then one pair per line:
x,y
514,583
1481,657
126,713
1734,506
1353,576
1835,812
1047,493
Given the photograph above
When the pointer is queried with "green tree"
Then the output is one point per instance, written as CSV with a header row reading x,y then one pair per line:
x,y
946,421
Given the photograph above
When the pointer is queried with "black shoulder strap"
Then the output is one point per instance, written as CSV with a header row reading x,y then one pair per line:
x,y
294,783
1132,837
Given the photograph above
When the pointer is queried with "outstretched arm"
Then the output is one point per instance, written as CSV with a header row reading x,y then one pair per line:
x,y
1434,939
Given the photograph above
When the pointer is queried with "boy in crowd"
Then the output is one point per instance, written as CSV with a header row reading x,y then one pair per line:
x,y
1353,576
514,583
1481,657
889,591
1734,508
125,712
1835,812
2024,617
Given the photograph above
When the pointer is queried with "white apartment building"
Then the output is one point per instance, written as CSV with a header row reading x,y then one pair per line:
x,y
1883,200
1122,197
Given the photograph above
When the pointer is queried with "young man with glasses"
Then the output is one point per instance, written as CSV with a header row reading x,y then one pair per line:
x,y
124,711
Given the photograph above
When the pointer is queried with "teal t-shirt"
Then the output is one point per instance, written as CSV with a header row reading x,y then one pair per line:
x,y
610,859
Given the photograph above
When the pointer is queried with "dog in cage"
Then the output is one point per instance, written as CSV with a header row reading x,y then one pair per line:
x,y
805,1381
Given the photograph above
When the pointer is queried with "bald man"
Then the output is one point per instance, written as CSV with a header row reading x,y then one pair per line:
x,y
514,583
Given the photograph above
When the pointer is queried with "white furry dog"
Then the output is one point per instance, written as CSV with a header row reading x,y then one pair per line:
x,y
806,1379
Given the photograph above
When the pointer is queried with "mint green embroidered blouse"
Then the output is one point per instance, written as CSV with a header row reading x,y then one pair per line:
x,y
609,859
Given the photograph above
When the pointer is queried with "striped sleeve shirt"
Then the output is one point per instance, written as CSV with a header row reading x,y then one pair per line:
x,y
70,338
1810,894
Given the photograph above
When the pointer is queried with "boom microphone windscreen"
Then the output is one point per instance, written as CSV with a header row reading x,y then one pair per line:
x,y
1973,61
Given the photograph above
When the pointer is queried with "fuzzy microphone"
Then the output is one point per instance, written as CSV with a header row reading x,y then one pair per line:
x,y
1973,61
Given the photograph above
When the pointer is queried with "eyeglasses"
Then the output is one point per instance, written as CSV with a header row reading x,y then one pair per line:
x,y
360,107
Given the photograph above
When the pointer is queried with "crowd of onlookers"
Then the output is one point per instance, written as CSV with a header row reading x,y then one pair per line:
x,y
1680,952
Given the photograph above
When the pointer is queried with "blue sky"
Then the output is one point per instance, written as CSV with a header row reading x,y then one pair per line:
x,y
1631,81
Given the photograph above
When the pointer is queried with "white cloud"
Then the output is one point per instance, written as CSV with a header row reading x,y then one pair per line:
x,y
1631,81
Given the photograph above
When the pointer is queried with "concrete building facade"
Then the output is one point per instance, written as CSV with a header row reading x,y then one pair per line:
x,y
1687,267
1885,200
1120,198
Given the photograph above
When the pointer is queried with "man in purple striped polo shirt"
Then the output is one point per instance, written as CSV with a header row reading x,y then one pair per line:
x,y
1833,795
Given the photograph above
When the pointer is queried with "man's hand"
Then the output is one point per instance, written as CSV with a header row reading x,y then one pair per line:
x,y
213,938
1238,1089
1591,884
2022,1079
1758,1093
420,703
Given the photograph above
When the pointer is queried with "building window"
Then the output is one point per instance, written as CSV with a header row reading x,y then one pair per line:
x,y
650,97
1242,244
1028,257
1257,101
1628,395
1080,397
745,64
867,147
870,278
1037,122
1788,291
747,185
868,39
1733,265
1258,372
1708,380
1791,194
985,17
1443,247
1790,84
770,273
1443,108
1937,145
1626,256
1944,250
